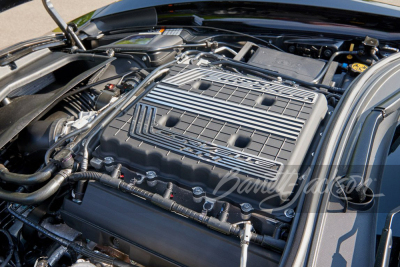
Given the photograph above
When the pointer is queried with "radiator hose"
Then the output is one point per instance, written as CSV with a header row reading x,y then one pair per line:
x,y
39,195
27,179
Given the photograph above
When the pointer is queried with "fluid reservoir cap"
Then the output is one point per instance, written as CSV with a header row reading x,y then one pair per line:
x,y
358,67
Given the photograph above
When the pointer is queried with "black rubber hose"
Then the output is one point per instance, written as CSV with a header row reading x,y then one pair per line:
x,y
276,74
278,230
97,256
325,69
10,247
39,195
27,179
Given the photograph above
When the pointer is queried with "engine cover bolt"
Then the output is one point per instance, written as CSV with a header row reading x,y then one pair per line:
x,y
289,213
108,160
108,163
151,174
198,191
246,209
198,194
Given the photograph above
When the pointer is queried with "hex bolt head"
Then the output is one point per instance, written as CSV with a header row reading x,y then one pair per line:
x,y
198,191
198,194
108,160
108,163
151,174
246,208
289,213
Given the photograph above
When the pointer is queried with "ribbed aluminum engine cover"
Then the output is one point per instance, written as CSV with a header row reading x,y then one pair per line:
x,y
199,125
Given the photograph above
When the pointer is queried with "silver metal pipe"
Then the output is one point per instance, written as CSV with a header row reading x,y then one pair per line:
x,y
225,48
245,241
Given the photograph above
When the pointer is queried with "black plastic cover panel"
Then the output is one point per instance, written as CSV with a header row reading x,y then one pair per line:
x,y
199,125
155,237
299,67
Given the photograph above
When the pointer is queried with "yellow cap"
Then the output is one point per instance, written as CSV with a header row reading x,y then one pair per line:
x,y
358,67
351,49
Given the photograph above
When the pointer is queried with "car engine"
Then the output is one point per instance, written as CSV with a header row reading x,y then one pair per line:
x,y
199,129
164,147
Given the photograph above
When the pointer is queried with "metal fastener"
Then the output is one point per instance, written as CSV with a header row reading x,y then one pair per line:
x,y
246,207
198,191
289,213
108,160
151,174
208,206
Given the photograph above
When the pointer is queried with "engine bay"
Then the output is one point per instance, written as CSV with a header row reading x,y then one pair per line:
x,y
167,147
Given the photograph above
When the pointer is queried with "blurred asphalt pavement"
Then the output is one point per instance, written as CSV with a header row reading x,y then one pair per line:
x,y
30,20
